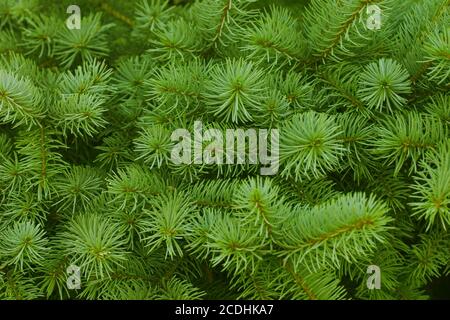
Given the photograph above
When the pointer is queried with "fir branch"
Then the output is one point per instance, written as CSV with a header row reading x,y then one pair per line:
x,y
310,146
20,100
432,187
82,44
168,223
93,243
343,229
235,89
24,245
407,137
382,84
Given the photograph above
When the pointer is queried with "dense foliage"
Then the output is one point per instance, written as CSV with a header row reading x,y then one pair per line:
x,y
86,177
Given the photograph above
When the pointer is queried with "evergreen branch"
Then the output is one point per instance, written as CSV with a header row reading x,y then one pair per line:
x,y
270,40
310,146
16,286
235,89
258,204
382,84
343,229
221,20
133,186
94,244
432,188
20,100
24,245
152,16
83,44
168,223
236,248
178,40
116,14
331,23
407,137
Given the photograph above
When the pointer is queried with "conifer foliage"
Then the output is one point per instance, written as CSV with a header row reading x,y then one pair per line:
x,y
357,89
